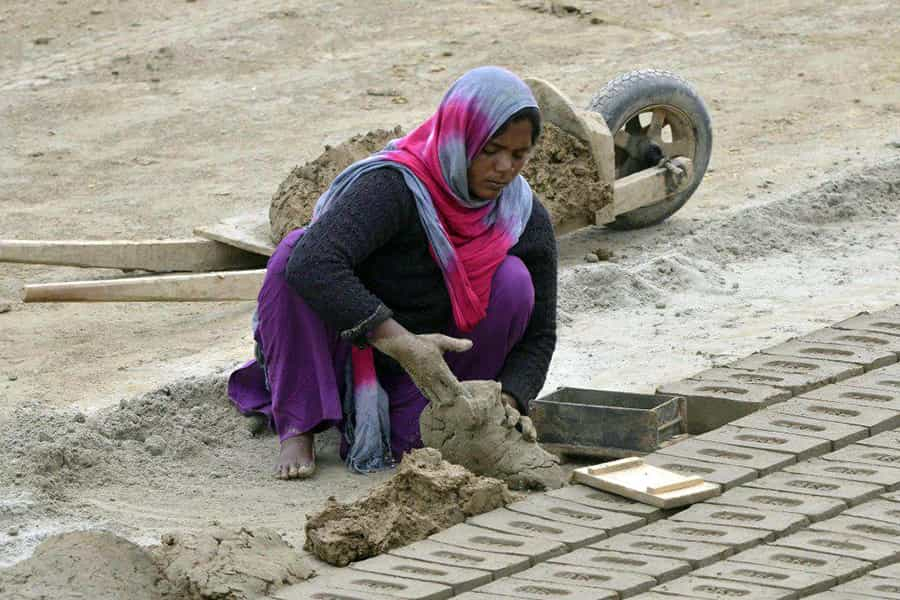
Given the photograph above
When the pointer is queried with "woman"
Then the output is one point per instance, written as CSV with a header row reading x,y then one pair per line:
x,y
434,245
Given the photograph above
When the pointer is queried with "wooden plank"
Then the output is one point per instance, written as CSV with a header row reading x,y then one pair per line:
x,y
249,231
195,254
646,483
647,187
204,287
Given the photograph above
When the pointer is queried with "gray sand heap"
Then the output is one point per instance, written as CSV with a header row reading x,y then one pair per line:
x,y
561,171
426,495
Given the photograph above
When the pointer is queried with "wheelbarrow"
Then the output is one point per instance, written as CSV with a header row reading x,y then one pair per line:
x,y
648,131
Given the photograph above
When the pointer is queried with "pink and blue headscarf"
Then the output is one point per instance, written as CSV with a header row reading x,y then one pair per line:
x,y
469,237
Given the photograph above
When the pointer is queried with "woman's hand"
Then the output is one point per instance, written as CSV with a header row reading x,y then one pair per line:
x,y
422,357
515,419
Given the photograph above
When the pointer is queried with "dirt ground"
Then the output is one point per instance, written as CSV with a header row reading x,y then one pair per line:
x,y
130,120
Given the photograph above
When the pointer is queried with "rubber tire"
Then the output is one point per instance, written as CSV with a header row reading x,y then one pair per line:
x,y
627,95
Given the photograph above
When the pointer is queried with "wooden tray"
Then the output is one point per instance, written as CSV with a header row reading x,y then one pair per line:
x,y
635,479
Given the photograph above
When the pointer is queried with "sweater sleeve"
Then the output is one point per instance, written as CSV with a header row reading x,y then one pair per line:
x,y
321,266
525,369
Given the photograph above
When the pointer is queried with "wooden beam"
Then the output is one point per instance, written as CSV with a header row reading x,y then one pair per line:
x,y
648,187
249,231
202,287
151,255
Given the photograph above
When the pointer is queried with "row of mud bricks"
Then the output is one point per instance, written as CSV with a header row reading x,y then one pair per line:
x,y
809,509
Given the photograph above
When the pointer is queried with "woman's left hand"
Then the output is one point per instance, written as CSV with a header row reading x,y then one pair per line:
x,y
515,419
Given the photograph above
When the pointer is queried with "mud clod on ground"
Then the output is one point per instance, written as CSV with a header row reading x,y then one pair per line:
x,y
426,495
229,565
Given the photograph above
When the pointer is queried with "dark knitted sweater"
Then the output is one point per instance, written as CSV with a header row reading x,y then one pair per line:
x,y
368,259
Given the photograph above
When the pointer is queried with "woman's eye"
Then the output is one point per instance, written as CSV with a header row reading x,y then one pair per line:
x,y
489,151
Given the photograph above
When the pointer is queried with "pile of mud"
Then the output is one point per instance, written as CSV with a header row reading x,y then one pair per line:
x,y
561,172
426,495
210,565
154,435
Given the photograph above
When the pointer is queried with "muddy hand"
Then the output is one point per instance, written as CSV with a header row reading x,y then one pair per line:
x,y
422,357
517,421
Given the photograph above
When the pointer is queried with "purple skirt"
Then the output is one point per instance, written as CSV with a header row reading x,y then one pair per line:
x,y
301,388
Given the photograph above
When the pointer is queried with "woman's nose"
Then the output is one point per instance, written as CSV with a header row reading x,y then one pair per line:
x,y
504,163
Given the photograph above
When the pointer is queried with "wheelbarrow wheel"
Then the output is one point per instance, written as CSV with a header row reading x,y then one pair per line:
x,y
654,114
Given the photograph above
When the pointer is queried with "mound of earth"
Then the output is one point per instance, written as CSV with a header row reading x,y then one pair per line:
x,y
426,495
86,564
561,172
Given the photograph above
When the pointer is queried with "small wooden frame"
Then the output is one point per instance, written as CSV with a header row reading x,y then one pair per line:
x,y
635,479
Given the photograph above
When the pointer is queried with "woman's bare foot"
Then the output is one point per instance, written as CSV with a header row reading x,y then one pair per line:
x,y
297,459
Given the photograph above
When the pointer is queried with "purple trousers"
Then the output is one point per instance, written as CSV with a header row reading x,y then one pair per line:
x,y
305,359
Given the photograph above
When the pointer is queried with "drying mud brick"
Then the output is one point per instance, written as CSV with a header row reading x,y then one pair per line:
x,y
507,521
625,584
698,554
727,476
735,537
865,339
801,583
841,568
886,439
588,496
761,461
875,419
851,492
877,510
800,446
887,322
458,578
563,511
891,572
858,547
535,590
659,568
867,358
715,589
829,595
871,455
795,383
818,370
394,587
814,508
873,587
850,394
478,538
495,563
778,523
863,527
879,379
316,590
426,494
473,431
711,404
885,477
837,434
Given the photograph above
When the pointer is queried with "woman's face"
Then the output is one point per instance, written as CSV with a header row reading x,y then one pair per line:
x,y
501,159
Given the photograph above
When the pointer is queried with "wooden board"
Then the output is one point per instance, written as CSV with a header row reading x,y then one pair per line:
x,y
249,231
195,254
635,479
203,287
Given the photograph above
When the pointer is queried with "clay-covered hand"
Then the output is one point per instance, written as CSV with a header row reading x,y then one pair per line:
x,y
517,420
422,357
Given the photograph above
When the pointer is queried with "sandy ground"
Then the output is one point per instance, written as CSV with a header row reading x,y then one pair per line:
x,y
131,120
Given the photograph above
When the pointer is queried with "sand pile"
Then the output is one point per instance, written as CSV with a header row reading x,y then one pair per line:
x,y
229,565
158,434
426,495
92,564
561,172
479,433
